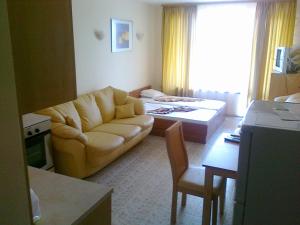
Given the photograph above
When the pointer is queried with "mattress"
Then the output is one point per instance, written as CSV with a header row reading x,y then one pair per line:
x,y
201,103
198,116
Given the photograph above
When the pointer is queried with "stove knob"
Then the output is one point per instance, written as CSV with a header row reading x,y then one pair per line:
x,y
37,130
29,133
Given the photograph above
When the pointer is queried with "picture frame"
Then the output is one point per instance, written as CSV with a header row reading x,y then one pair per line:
x,y
121,35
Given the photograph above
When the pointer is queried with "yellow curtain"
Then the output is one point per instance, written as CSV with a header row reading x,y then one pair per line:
x,y
280,23
177,31
259,36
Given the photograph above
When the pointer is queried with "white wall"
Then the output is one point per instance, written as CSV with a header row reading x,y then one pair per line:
x,y
14,197
297,27
96,66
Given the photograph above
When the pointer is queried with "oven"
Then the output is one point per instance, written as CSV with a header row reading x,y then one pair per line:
x,y
38,140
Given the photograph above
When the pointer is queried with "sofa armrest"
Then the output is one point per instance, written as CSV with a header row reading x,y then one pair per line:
x,y
69,157
139,108
68,132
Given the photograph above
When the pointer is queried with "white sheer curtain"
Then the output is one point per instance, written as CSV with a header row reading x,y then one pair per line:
x,y
221,53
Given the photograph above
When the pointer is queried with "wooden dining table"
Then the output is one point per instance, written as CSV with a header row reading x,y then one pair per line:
x,y
222,160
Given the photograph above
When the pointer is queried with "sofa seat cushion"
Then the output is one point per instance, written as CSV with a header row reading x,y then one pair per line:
x,y
100,143
193,179
124,130
144,121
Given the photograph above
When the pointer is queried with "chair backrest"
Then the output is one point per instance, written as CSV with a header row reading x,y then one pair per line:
x,y
176,150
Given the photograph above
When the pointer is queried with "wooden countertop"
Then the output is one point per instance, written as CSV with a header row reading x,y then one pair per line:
x,y
65,200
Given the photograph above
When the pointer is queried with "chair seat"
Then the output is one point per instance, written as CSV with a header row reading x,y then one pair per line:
x,y
193,179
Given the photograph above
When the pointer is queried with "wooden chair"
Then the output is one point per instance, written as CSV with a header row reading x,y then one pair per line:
x,y
187,179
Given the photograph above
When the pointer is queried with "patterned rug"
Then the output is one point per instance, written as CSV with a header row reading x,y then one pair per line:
x,y
142,184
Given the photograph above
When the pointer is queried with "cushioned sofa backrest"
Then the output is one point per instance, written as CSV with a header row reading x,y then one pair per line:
x,y
70,114
105,102
88,111
120,96
56,117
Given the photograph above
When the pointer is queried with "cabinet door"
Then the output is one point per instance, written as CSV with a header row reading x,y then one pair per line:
x,y
43,50
273,178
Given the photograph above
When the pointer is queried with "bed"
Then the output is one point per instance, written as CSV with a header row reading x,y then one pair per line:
x,y
200,117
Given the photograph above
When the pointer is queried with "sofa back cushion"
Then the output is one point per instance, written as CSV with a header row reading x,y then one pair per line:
x,y
88,111
56,117
70,114
120,96
105,101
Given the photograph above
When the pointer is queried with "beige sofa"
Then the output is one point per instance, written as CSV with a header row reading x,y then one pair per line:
x,y
95,129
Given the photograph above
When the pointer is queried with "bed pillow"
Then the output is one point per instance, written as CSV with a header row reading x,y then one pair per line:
x,y
295,98
151,93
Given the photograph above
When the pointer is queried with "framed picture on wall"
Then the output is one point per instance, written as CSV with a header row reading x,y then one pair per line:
x,y
121,35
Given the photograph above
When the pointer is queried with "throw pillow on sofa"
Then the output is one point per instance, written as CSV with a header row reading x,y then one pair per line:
x,y
139,108
125,111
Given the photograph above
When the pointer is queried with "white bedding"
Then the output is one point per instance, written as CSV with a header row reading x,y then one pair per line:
x,y
205,110
199,116
201,104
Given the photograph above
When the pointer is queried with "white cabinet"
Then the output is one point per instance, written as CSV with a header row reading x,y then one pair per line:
x,y
268,181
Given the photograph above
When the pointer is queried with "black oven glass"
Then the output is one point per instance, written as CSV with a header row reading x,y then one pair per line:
x,y
35,149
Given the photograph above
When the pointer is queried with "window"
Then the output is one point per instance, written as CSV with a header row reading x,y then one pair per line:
x,y
221,49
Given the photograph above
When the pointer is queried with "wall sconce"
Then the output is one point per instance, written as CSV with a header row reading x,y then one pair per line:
x,y
140,36
99,34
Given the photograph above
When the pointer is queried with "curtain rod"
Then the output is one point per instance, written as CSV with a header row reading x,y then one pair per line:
x,y
219,2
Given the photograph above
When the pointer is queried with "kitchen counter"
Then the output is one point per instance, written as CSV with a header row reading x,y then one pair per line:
x,y
65,200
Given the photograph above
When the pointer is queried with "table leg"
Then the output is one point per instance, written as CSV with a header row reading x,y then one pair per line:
x,y
208,187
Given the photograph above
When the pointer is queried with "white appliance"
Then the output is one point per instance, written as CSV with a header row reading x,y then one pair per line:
x,y
281,59
268,184
38,140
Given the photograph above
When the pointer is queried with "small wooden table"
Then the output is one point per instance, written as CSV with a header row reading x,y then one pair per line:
x,y
221,161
